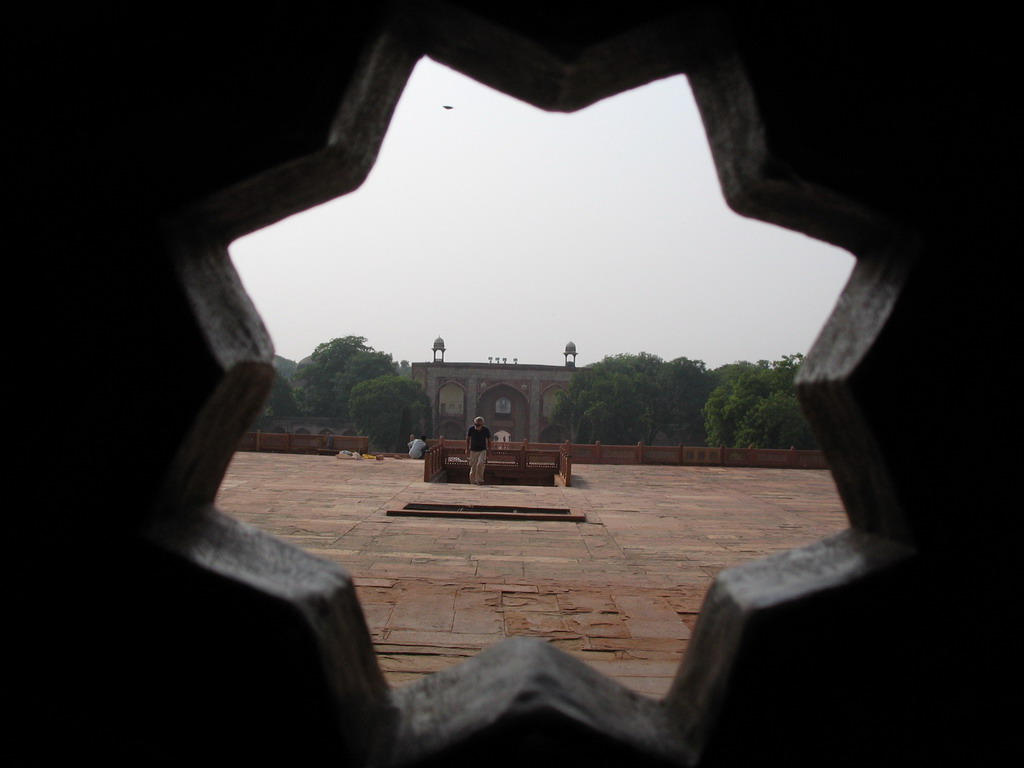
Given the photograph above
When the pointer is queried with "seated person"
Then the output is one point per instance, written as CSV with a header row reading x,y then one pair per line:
x,y
418,447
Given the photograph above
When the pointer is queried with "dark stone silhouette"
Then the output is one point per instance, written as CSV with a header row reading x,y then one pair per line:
x,y
149,628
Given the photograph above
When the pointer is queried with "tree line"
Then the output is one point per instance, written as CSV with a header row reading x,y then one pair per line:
x,y
350,381
623,399
626,398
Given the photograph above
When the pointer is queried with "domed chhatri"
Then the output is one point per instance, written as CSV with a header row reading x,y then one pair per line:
x,y
570,349
438,347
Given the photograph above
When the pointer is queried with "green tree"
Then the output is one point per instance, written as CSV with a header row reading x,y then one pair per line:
x,y
726,374
630,398
684,386
284,367
755,404
741,385
324,383
386,409
776,422
282,399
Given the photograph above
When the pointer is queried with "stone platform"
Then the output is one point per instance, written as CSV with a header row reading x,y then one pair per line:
x,y
621,590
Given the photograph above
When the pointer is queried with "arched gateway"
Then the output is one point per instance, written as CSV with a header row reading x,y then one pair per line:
x,y
514,398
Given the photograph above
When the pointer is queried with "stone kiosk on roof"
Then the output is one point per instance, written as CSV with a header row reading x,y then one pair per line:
x,y
517,400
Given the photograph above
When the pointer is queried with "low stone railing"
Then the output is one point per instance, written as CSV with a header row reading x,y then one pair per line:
x,y
446,461
275,442
525,454
678,455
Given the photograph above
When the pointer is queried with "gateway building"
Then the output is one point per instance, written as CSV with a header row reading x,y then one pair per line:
x,y
516,400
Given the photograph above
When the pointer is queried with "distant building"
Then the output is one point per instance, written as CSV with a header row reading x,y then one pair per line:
x,y
516,400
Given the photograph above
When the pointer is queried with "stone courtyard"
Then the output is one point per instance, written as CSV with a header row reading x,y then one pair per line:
x,y
621,591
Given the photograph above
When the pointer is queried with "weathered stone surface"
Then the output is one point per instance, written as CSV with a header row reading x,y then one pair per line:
x,y
623,603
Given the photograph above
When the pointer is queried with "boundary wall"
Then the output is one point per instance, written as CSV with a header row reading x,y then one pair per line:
x,y
579,453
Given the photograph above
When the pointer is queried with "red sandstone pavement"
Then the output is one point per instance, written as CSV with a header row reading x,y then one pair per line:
x,y
621,591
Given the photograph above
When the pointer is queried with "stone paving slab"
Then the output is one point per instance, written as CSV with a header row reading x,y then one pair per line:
x,y
622,590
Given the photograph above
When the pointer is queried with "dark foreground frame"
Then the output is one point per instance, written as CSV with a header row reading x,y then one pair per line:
x,y
150,628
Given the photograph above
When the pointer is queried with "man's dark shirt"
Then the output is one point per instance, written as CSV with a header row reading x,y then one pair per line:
x,y
478,438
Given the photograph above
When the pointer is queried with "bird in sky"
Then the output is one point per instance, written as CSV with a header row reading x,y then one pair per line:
x,y
447,107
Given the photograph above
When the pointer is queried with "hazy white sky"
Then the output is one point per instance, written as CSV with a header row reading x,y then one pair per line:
x,y
509,231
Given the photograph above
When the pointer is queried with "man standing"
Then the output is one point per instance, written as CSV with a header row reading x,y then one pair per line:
x,y
478,442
